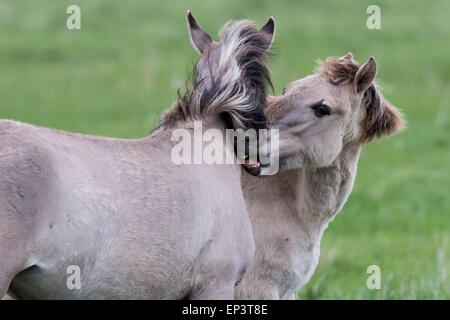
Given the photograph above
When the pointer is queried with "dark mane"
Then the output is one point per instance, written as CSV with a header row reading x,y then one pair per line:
x,y
235,88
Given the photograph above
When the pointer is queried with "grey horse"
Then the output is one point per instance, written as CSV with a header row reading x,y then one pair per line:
x,y
132,222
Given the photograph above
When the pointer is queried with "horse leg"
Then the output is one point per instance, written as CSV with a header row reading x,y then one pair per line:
x,y
216,275
213,289
14,237
25,181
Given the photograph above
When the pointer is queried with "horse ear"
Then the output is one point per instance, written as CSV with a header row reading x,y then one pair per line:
x,y
200,39
268,31
365,75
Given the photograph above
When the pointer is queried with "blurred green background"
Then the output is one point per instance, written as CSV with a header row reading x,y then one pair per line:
x,y
117,74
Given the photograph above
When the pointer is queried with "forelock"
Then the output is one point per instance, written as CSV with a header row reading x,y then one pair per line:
x,y
338,70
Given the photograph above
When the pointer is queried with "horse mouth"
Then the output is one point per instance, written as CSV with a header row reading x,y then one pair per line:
x,y
253,169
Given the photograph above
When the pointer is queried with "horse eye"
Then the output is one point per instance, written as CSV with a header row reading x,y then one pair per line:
x,y
321,110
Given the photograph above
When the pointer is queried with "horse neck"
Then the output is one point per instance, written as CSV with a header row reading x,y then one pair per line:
x,y
163,138
307,197
324,191
208,122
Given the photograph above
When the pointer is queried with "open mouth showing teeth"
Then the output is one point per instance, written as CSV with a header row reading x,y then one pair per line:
x,y
254,168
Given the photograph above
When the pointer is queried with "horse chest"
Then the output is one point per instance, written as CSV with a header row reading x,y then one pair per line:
x,y
301,256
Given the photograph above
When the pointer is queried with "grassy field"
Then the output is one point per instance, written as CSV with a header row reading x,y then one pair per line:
x,y
116,75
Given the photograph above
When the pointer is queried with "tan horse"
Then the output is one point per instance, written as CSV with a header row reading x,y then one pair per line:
x,y
324,119
135,224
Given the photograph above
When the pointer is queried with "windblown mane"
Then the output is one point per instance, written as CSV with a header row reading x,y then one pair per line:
x,y
235,86
381,118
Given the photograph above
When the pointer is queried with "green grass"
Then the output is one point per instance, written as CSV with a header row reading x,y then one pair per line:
x,y
116,75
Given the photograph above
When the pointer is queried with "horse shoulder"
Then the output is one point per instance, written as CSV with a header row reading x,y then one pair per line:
x,y
25,168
